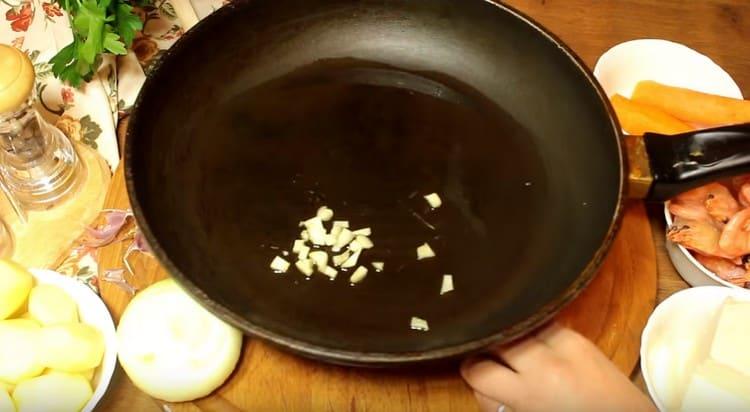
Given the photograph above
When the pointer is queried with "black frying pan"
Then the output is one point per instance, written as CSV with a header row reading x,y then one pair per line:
x,y
268,109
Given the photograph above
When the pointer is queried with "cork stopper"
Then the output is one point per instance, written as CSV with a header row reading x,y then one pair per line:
x,y
16,78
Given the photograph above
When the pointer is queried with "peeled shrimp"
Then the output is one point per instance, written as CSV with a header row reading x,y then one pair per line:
x,y
715,198
725,269
735,238
697,235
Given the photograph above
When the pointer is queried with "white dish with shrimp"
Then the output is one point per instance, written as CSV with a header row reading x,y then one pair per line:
x,y
708,236
619,70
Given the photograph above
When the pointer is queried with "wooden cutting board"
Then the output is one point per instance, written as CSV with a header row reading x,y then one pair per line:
x,y
612,312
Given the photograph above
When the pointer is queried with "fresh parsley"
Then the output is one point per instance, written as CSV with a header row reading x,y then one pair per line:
x,y
99,27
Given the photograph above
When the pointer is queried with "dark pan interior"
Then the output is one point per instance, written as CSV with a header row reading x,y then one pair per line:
x,y
270,109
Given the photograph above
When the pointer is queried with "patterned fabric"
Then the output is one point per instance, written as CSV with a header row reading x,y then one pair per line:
x,y
40,29
90,114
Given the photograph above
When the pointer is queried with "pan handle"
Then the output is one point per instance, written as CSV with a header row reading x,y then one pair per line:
x,y
663,166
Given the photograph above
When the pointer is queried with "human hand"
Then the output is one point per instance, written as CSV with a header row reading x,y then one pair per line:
x,y
555,370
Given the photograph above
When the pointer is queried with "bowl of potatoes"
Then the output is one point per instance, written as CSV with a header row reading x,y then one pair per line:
x,y
58,346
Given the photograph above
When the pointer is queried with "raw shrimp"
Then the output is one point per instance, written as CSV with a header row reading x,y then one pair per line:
x,y
698,235
715,198
741,185
735,238
725,269
744,195
720,203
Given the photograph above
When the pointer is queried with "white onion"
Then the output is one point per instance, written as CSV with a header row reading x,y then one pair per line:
x,y
172,348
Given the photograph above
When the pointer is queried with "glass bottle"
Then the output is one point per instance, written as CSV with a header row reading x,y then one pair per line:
x,y
38,164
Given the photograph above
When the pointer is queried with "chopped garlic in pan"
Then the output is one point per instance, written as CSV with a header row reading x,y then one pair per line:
x,y
330,272
364,241
320,259
279,265
325,214
358,275
352,261
339,260
305,266
447,285
419,324
316,230
425,252
433,200
340,249
364,232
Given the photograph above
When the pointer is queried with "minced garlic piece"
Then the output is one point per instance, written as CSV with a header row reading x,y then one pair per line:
x,y
434,200
447,285
279,265
358,275
425,252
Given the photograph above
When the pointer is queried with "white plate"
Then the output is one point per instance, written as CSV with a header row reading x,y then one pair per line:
x,y
691,311
91,311
619,70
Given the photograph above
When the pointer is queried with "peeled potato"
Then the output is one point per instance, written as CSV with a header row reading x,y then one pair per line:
x,y
15,284
51,305
71,347
19,350
172,348
6,403
56,392
88,374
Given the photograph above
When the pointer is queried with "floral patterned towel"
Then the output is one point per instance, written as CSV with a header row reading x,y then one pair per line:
x,y
90,114
40,28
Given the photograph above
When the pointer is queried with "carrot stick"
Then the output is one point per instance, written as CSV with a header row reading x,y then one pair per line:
x,y
691,106
638,119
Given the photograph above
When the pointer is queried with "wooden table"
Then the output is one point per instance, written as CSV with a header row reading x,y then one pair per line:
x,y
718,28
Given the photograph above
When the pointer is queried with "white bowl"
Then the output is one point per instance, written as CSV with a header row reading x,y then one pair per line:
x,y
678,326
620,68
91,311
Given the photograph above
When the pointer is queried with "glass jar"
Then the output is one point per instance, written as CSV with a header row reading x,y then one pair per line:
x,y
38,163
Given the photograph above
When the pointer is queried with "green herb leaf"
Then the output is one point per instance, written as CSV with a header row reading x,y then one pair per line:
x,y
127,23
113,44
99,27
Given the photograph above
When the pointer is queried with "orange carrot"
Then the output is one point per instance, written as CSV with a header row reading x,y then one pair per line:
x,y
638,119
691,106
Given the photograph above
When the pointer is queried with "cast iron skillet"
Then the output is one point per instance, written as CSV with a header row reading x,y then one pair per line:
x,y
269,109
